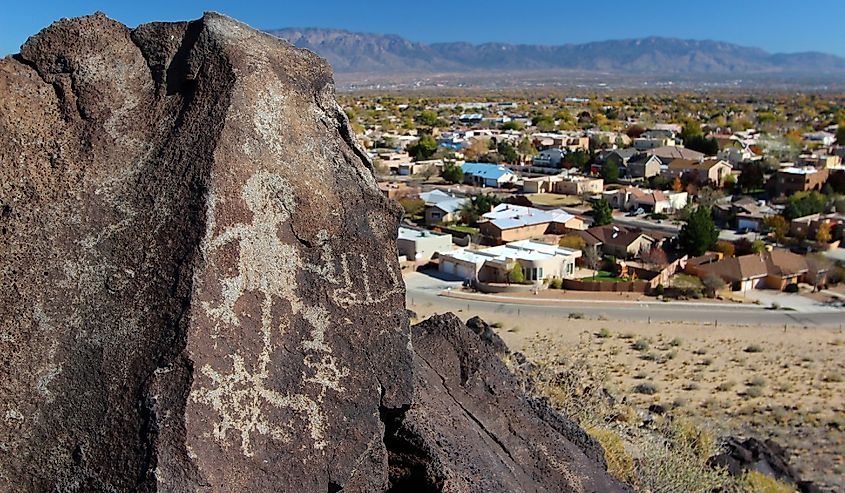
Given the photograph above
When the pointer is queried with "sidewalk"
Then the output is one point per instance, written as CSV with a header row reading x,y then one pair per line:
x,y
545,301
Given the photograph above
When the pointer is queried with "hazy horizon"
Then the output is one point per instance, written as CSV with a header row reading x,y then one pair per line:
x,y
777,29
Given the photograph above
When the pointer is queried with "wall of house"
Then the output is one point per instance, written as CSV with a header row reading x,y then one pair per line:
x,y
421,249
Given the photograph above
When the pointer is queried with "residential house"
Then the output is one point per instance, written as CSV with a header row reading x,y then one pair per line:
x,y
443,211
654,138
619,241
564,184
420,246
654,201
747,212
549,158
432,166
643,166
539,262
668,154
702,172
768,270
808,225
794,179
619,157
487,175
561,141
509,222
396,190
819,160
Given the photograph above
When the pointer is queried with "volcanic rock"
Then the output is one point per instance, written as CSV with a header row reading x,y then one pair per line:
x,y
470,428
199,287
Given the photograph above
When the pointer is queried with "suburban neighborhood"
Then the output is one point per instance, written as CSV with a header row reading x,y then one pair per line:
x,y
508,200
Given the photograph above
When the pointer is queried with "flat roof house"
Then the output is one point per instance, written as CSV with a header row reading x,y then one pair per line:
x,y
420,245
509,222
539,261
793,179
487,175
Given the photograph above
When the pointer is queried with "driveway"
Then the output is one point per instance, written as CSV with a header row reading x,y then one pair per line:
x,y
791,301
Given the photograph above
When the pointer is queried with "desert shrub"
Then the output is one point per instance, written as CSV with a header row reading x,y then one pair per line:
x,y
626,335
556,283
576,315
832,376
604,333
641,345
691,386
706,362
496,325
619,462
649,357
676,342
754,348
671,355
673,468
757,482
791,288
757,381
646,388
725,386
754,391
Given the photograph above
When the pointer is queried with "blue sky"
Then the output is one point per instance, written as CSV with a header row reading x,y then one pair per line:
x,y
774,25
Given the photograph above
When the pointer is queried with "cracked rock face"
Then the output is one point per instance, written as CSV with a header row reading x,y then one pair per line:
x,y
198,279
199,287
471,429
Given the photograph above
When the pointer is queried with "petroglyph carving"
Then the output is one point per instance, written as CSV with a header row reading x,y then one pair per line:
x,y
268,266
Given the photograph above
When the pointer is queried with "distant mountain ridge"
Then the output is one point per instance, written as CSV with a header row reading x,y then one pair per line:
x,y
351,52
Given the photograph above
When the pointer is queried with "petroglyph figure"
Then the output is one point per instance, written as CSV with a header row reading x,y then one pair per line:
x,y
268,266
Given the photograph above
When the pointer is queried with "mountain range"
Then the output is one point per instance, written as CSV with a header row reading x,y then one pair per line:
x,y
385,54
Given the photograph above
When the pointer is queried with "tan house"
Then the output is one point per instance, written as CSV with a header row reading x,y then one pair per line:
x,y
618,241
509,222
701,172
794,179
769,270
571,185
539,262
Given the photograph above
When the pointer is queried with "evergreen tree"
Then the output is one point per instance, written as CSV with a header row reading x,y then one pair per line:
x,y
602,213
699,233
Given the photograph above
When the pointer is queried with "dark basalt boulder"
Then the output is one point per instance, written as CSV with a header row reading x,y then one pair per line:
x,y
470,428
199,288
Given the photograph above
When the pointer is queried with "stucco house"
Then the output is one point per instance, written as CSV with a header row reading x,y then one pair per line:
x,y
487,175
539,262
509,222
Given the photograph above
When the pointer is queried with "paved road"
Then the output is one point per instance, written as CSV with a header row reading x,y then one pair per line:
x,y
425,291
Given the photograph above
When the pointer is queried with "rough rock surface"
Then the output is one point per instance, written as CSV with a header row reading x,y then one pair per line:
x,y
470,427
199,288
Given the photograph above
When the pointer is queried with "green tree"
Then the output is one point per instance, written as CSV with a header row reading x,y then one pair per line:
x,y
512,125
802,204
427,118
777,226
609,172
526,148
424,148
452,173
758,246
413,207
516,275
709,147
840,134
699,233
602,213
577,159
507,151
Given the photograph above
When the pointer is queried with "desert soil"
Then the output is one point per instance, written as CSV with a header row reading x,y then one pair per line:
x,y
746,380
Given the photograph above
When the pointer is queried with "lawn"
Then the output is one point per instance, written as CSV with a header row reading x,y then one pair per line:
x,y
604,275
554,200
460,227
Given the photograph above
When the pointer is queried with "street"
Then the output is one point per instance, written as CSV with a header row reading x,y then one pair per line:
x,y
424,290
